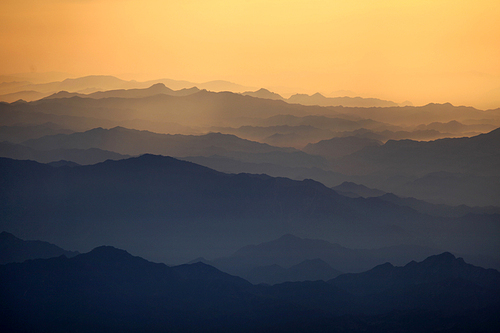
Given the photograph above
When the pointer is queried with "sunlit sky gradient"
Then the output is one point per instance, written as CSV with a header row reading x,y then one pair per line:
x,y
422,51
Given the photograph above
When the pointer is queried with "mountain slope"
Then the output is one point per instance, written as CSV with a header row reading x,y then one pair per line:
x,y
13,249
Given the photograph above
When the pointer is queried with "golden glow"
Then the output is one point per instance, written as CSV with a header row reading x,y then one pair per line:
x,y
419,50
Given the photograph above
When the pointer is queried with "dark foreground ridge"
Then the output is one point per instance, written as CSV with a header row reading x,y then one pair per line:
x,y
109,290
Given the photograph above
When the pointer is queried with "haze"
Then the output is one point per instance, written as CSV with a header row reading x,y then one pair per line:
x,y
422,51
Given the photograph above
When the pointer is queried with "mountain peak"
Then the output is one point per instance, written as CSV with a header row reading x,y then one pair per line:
x,y
109,252
158,85
441,259
4,235
318,95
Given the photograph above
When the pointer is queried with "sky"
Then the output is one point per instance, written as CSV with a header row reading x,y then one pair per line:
x,y
422,51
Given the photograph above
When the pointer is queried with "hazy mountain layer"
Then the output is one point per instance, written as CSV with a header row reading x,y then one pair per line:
x,y
18,134
79,156
307,270
318,99
338,147
172,210
134,142
13,249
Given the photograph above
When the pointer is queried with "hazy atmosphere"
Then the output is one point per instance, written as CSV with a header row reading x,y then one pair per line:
x,y
421,51
249,166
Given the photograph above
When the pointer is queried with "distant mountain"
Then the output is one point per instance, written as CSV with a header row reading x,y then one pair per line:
x,y
26,95
457,127
355,190
308,270
266,165
86,83
221,85
13,249
162,208
35,77
268,259
22,114
156,89
18,134
436,209
318,99
79,156
63,163
203,108
323,122
134,142
426,114
281,136
263,93
338,147
466,168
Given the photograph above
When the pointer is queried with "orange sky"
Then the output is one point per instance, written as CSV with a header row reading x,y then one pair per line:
x,y
422,51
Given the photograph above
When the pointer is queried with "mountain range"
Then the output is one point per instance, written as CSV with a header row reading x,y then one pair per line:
x,y
166,209
13,249
108,290
305,214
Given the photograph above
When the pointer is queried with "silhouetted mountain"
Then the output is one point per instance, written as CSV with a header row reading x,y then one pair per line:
x,y
201,271
156,89
308,270
162,208
263,93
338,147
108,289
13,249
437,210
457,127
290,250
300,171
318,99
26,95
281,136
79,156
63,163
18,134
434,269
221,85
35,77
476,188
134,142
355,190
345,123
22,114
468,168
